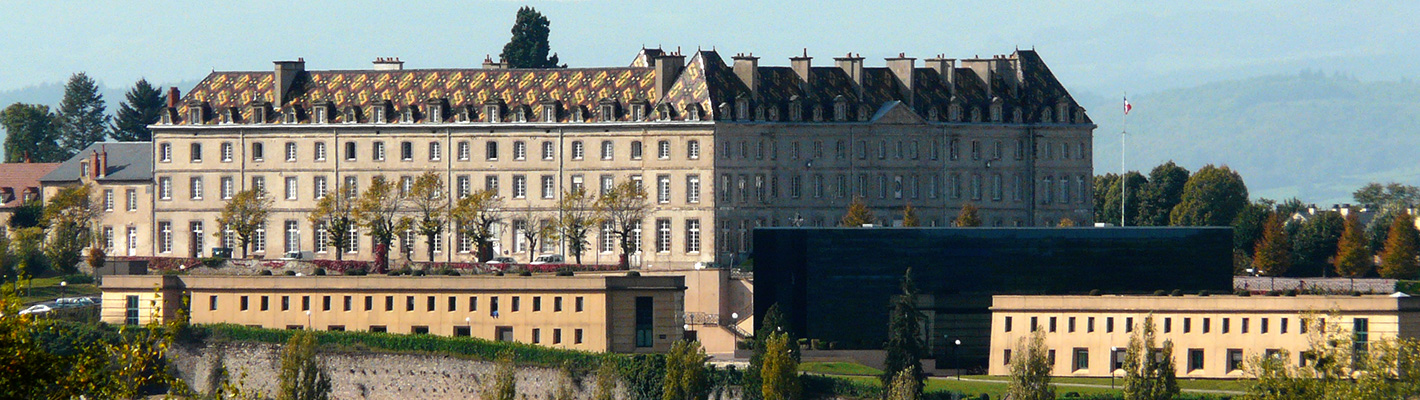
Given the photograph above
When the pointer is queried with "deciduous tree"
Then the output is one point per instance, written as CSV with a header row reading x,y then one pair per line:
x,y
1161,194
858,213
1274,250
685,378
1390,195
909,217
1398,260
780,373
503,385
576,218
82,113
1148,369
378,211
968,217
142,107
1030,370
302,377
1136,185
624,207
903,387
1213,196
1315,242
774,322
1248,226
529,46
335,214
429,202
536,229
31,134
243,215
477,215
70,217
1353,257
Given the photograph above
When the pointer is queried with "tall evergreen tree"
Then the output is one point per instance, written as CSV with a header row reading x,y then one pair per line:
x,y
82,115
780,372
858,213
1274,250
904,347
1353,257
909,217
1213,196
32,132
1398,259
142,108
529,47
774,322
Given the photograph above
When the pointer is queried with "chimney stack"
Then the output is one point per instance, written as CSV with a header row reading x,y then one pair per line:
x,y
747,69
173,96
286,72
947,68
852,66
102,165
488,63
388,64
902,67
668,68
802,65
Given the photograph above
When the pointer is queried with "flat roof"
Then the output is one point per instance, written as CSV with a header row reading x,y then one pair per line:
x,y
1196,303
394,283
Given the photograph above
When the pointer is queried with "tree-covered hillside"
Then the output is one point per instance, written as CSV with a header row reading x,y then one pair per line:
x,y
1312,136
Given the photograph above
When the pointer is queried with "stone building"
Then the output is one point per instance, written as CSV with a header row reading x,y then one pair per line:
x,y
19,184
625,314
122,179
1213,336
720,148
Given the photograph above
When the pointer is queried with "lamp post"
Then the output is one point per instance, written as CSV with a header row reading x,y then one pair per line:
x,y
468,324
955,345
308,321
62,286
1113,355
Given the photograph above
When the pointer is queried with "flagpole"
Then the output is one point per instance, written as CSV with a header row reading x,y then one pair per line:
x,y
1123,173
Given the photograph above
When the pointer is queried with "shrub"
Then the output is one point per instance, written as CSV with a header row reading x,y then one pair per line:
x,y
1244,293
1095,292
77,279
342,266
524,273
264,272
499,273
1290,293
358,271
1202,293
1177,293
564,273
290,273
1160,293
319,272
633,273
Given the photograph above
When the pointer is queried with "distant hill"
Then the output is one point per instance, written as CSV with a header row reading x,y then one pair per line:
x,y
1312,136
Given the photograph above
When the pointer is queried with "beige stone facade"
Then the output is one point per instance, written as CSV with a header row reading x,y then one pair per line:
x,y
1213,336
720,148
120,176
593,313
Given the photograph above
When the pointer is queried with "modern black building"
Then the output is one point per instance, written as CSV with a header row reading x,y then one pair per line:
x,y
835,284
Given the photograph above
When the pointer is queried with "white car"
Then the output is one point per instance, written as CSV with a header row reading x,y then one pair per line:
x,y
36,309
548,259
501,261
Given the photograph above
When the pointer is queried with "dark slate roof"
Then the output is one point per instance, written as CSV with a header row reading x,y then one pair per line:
x,y
706,82
127,161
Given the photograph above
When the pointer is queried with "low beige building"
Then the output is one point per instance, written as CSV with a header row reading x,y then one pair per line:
x,y
1213,336
594,313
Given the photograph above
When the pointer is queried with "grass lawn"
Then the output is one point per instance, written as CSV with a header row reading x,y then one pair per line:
x,y
839,368
42,289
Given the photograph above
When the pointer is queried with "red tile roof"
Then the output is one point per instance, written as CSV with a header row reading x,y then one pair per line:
x,y
17,177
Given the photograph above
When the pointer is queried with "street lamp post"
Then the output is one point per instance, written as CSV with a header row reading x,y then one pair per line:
x,y
1113,355
62,285
308,321
956,364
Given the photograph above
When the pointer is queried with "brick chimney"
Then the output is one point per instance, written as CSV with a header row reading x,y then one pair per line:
x,y
388,64
102,164
802,66
488,63
902,67
668,68
853,66
286,72
747,69
173,96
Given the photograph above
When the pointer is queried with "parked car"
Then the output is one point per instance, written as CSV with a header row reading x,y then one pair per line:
x,y
501,261
548,259
37,309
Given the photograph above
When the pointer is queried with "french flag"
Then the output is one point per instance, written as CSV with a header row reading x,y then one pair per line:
x,y
1127,106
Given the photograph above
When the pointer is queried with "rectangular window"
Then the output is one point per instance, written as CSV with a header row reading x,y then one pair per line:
x,y
577,336
244,303
108,200
1082,359
130,313
291,188
1006,357
320,151
1244,325
436,151
321,187
517,302
290,151
132,196
379,151
1195,359
408,303
1235,359
1187,325
1225,325
1070,325
1090,324
165,188
165,237
463,151
492,151
663,235
1109,324
692,236
406,151
663,189
520,186
1052,324
579,303
369,303
1008,324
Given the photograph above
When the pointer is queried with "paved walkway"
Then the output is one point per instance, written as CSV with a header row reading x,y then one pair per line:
x,y
1092,385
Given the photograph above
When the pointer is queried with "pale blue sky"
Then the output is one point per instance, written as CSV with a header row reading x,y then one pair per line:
x,y
1103,47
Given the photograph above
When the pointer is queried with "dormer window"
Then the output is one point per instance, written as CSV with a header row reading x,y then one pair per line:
x,y
522,114
166,118
759,113
406,116
692,112
379,115
864,112
491,114
840,109
258,114
549,112
578,115
638,112
818,113
663,112
976,114
1045,116
742,109
350,115
607,111
1017,116
290,116
194,115
954,113
228,116
796,109
724,111
435,114
1079,115
322,115
465,114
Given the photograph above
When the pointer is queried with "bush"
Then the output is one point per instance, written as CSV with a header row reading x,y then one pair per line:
x,y
633,273
417,272
78,279
524,273
499,273
1176,293
1202,293
564,273
1095,292
264,272
358,271
1160,293
1244,293
1290,293
290,273
319,272
213,262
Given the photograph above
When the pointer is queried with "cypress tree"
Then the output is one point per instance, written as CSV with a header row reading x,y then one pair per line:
x,y
528,48
82,115
904,347
1353,257
968,217
1398,259
1274,250
909,217
143,107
